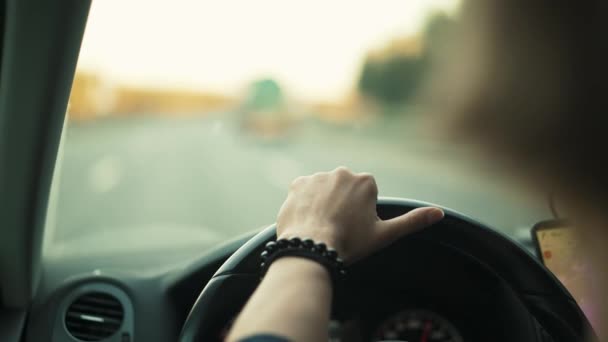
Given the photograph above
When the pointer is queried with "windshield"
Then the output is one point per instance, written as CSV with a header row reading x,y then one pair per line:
x,y
189,119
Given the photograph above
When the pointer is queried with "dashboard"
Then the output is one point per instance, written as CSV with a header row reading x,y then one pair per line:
x,y
417,325
158,285
422,300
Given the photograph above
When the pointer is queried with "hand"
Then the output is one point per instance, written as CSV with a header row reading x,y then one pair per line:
x,y
339,209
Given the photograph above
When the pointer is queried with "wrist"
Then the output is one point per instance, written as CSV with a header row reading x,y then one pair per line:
x,y
301,267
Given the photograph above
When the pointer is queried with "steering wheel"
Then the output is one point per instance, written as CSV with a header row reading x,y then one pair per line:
x,y
552,313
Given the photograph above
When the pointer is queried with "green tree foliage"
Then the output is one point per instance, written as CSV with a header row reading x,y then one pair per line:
x,y
391,80
392,75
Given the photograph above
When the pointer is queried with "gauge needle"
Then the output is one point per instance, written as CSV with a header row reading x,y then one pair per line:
x,y
426,331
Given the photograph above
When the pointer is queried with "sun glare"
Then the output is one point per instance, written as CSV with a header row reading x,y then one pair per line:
x,y
315,47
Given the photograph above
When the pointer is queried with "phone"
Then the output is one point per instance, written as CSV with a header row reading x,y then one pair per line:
x,y
555,242
560,250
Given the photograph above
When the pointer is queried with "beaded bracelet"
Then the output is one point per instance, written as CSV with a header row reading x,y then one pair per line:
x,y
304,248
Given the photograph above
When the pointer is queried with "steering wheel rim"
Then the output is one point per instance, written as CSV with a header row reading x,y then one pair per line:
x,y
541,293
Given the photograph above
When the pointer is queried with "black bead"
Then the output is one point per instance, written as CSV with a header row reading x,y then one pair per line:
x,y
282,243
308,243
262,265
321,247
271,246
331,253
264,255
295,241
342,272
339,262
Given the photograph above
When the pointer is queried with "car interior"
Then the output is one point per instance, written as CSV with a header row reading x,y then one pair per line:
x,y
472,281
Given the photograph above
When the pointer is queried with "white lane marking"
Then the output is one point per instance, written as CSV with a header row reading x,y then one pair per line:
x,y
217,127
105,174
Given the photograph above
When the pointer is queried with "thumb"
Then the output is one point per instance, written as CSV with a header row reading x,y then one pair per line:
x,y
410,222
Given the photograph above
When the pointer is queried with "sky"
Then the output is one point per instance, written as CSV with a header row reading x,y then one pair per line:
x,y
314,48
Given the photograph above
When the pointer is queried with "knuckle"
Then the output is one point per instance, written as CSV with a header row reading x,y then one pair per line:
x,y
368,182
318,175
372,189
297,182
366,177
342,171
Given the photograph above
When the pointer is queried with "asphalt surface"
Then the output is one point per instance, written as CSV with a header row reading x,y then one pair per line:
x,y
161,176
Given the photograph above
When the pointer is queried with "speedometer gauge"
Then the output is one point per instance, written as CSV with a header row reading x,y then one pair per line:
x,y
417,326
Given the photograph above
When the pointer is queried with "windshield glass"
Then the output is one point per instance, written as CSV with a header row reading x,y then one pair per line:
x,y
189,119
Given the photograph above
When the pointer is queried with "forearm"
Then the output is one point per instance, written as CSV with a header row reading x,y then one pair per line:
x,y
338,209
292,301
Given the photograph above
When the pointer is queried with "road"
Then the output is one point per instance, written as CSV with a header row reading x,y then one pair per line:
x,y
162,175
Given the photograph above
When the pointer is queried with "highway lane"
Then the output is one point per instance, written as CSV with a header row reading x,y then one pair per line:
x,y
166,175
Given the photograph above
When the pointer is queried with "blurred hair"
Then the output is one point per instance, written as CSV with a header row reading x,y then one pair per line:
x,y
525,80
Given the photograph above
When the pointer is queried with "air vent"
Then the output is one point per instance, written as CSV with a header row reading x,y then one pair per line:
x,y
94,316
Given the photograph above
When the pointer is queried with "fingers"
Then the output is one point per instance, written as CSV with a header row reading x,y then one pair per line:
x,y
368,184
340,173
410,222
363,181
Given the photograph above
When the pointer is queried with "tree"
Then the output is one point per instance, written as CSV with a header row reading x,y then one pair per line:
x,y
392,79
392,75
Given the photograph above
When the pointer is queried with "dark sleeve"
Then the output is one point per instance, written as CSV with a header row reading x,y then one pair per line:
x,y
264,338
